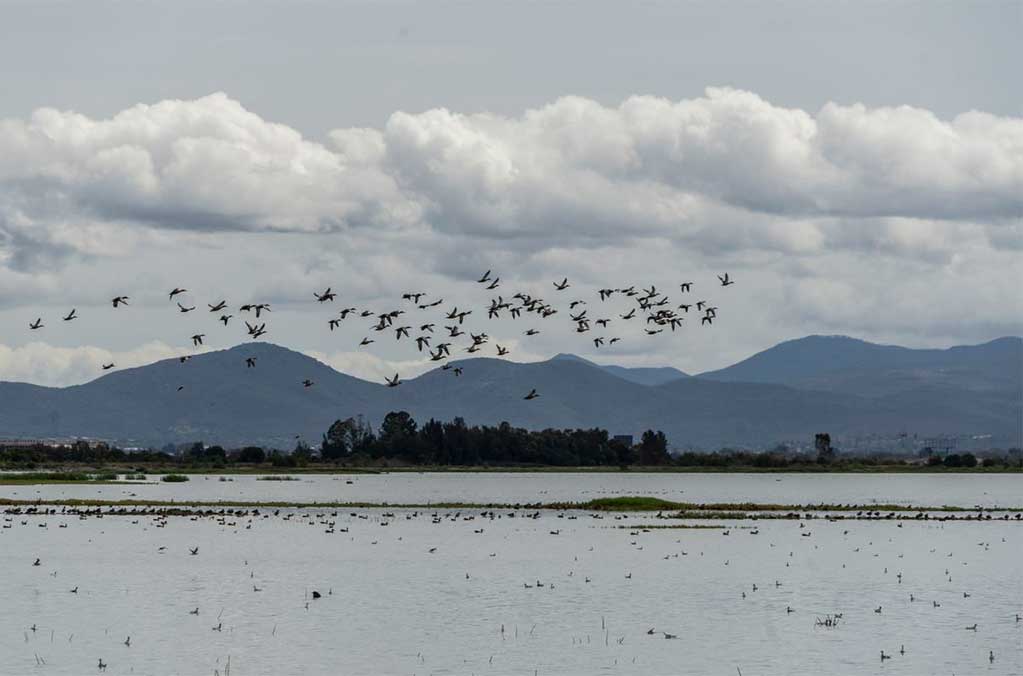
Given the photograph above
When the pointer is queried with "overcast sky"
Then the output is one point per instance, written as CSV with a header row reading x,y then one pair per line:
x,y
857,168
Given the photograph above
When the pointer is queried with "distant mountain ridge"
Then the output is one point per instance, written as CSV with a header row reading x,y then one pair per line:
x,y
644,375
841,363
839,385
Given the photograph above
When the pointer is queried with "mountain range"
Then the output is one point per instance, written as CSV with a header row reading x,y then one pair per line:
x,y
841,385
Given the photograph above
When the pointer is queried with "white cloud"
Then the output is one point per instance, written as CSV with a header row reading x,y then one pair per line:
x,y
43,364
574,167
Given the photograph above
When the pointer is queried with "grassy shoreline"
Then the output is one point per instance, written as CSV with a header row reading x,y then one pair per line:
x,y
544,469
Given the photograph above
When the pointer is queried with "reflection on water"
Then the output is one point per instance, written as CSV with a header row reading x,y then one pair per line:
x,y
961,490
409,593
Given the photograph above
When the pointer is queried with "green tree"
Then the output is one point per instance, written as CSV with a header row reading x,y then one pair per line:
x,y
340,440
653,448
397,433
624,454
253,454
825,454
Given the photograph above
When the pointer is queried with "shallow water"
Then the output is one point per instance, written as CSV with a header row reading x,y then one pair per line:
x,y
390,606
960,490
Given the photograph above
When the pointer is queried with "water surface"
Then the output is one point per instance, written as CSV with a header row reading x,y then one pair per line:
x,y
960,490
390,605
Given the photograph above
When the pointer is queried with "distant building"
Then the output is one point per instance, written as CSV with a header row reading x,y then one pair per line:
x,y
624,439
942,445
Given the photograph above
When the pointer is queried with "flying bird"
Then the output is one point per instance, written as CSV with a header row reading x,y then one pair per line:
x,y
185,309
37,324
119,300
393,382
725,280
197,339
218,307
176,291
563,285
532,395
327,295
71,315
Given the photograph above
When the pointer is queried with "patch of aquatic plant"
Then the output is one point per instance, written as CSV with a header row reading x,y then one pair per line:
x,y
277,477
663,508
174,478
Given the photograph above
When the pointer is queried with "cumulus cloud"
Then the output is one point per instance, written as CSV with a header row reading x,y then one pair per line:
x,y
574,169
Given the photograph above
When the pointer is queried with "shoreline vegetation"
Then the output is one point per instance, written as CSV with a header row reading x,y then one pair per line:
x,y
403,445
616,505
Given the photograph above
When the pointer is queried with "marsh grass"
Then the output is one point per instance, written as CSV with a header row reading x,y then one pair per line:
x,y
174,478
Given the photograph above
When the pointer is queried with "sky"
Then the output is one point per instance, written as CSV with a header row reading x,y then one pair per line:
x,y
857,168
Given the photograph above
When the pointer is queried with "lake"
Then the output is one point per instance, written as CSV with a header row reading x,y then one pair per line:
x,y
459,592
410,593
960,490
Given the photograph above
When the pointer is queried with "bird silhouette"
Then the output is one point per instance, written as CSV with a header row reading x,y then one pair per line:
x,y
174,292
326,296
37,324
119,300
71,315
393,382
532,395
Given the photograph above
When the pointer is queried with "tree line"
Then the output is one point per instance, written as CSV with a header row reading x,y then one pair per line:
x,y
400,440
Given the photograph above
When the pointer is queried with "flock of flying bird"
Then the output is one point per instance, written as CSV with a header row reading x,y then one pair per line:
x,y
658,314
